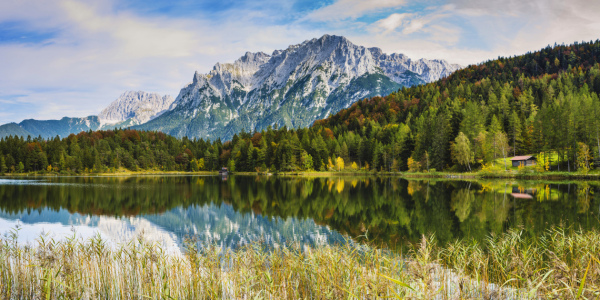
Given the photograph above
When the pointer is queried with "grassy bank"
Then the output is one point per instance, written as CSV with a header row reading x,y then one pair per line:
x,y
556,265
499,174
121,172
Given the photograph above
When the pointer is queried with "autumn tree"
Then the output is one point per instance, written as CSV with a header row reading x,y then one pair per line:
x,y
339,163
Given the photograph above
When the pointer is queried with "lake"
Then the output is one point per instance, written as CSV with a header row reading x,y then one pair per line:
x,y
237,210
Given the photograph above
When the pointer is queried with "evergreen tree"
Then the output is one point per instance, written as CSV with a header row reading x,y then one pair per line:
x,y
3,168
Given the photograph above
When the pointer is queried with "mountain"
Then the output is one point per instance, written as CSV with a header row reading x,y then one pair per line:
x,y
62,127
135,108
291,87
131,108
12,129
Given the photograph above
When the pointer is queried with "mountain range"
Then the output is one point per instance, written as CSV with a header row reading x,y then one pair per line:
x,y
131,108
291,87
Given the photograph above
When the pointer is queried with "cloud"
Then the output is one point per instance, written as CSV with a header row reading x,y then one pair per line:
x,y
392,22
408,22
472,31
351,9
410,26
82,54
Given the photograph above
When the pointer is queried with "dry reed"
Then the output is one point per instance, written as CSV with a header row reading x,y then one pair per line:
x,y
555,265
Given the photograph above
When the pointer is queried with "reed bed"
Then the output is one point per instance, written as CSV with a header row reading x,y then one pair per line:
x,y
555,265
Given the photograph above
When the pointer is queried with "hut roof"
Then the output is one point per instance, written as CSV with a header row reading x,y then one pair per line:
x,y
521,196
525,157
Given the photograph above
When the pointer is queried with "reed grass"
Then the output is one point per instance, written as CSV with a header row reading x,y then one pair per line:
x,y
557,265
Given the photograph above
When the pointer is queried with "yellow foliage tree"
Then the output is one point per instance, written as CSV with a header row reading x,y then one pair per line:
x,y
49,168
354,166
339,163
543,162
330,165
413,165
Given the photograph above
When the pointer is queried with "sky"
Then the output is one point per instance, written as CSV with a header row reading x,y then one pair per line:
x,y
73,57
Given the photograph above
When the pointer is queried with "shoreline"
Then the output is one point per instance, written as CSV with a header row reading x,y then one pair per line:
x,y
558,176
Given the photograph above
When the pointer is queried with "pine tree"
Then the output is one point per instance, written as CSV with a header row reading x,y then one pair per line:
x,y
515,132
3,168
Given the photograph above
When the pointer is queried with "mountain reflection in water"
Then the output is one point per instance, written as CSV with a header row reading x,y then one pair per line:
x,y
282,210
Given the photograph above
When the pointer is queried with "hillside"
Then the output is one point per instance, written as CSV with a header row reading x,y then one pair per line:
x,y
544,101
62,127
12,129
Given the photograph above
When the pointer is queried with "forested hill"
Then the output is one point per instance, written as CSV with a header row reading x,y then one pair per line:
x,y
543,103
546,101
549,60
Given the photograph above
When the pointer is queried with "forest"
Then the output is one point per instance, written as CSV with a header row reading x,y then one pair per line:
x,y
543,103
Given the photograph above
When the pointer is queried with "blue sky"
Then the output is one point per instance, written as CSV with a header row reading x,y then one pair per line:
x,y
73,57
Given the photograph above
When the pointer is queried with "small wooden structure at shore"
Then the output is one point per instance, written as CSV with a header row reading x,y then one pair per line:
x,y
223,171
527,160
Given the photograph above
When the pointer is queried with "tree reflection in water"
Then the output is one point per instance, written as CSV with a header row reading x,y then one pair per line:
x,y
380,210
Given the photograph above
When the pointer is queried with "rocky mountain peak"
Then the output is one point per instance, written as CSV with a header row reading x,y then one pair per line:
x,y
139,107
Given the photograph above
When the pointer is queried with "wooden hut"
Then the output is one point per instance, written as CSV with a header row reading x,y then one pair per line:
x,y
223,171
525,161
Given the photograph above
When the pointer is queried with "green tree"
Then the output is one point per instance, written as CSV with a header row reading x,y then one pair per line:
x,y
231,165
461,150
62,162
307,161
515,131
583,157
2,164
502,146
194,165
200,163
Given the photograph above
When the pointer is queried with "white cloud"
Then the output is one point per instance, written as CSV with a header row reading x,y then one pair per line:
x,y
392,22
136,36
471,31
97,52
351,9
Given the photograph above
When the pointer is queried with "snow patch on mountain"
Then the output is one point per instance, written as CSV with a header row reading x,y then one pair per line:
x,y
138,107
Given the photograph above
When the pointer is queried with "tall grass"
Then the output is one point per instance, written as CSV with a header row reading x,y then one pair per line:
x,y
556,265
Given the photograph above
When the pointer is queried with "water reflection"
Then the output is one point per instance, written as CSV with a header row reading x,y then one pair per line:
x,y
310,211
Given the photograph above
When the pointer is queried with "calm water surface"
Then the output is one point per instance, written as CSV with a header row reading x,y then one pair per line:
x,y
279,211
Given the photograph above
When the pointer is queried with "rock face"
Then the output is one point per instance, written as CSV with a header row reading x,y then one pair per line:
x,y
291,87
135,107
